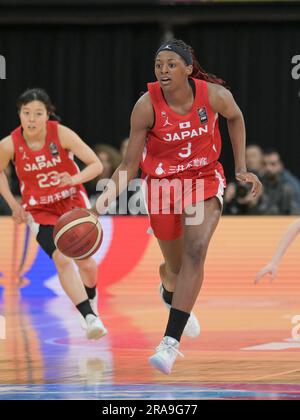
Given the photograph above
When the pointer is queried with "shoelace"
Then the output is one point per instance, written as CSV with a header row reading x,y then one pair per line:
x,y
164,346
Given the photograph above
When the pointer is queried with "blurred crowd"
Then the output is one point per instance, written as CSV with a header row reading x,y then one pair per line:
x,y
280,194
281,189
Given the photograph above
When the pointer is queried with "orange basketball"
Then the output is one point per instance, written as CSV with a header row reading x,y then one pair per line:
x,y
78,234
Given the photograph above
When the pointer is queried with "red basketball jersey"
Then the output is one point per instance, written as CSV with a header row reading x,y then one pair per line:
x,y
178,143
37,170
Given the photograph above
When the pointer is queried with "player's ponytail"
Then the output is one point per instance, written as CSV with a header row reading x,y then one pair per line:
x,y
40,95
200,73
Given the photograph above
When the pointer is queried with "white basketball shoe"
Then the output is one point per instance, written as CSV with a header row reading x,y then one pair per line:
x,y
165,356
94,327
192,328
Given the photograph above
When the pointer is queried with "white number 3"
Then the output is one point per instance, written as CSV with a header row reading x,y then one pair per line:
x,y
188,151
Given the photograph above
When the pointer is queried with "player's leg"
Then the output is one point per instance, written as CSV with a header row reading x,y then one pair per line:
x,y
196,242
69,278
172,251
71,282
74,288
87,268
169,227
88,272
188,284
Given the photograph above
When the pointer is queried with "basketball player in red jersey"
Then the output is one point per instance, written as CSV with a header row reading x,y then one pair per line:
x,y
175,136
51,184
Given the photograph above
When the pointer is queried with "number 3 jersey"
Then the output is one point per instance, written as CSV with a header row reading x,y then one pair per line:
x,y
37,170
178,143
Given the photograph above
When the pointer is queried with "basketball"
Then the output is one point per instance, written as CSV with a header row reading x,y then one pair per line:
x,y
78,234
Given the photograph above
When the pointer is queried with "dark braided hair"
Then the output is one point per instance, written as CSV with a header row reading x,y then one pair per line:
x,y
198,71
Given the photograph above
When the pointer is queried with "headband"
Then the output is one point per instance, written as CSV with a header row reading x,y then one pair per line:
x,y
184,53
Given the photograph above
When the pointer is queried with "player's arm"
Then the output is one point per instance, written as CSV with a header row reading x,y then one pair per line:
x,y
142,119
71,141
6,155
222,102
287,239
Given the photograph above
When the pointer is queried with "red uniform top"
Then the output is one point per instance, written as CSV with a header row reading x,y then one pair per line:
x,y
178,143
37,171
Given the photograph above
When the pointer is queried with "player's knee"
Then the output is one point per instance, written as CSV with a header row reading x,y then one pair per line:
x,y
88,264
61,262
196,251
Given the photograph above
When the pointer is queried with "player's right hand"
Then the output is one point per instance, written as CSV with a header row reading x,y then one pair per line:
x,y
270,269
19,214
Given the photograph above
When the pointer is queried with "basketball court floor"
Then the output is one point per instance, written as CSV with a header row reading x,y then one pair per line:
x,y
248,348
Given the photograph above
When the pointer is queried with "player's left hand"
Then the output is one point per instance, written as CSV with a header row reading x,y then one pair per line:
x,y
66,180
251,179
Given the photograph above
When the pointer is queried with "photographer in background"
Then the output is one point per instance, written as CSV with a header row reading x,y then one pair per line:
x,y
239,200
280,194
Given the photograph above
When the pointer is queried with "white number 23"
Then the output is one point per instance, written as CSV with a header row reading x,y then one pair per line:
x,y
48,180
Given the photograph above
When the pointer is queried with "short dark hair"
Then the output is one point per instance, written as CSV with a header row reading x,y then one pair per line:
x,y
38,94
271,151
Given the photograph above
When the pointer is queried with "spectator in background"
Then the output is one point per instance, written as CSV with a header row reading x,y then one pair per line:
x,y
281,190
124,147
287,176
279,195
238,199
111,159
254,159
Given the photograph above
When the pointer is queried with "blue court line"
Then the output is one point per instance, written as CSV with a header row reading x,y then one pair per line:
x,y
139,391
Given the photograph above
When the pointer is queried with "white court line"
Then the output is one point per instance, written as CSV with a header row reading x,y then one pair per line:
x,y
276,375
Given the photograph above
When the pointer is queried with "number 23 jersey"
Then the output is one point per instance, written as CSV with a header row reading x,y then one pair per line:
x,y
37,170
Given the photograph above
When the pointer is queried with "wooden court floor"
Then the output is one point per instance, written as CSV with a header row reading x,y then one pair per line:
x,y
247,348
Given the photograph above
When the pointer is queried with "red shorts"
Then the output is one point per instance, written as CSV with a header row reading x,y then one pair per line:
x,y
188,188
49,214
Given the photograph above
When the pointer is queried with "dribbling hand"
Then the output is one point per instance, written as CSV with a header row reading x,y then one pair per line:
x,y
251,179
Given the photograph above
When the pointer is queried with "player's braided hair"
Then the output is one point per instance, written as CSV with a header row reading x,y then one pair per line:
x,y
198,71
